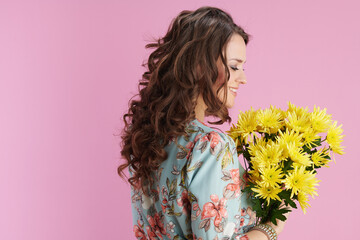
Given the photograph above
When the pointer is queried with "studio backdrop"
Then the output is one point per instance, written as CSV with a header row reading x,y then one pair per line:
x,y
69,68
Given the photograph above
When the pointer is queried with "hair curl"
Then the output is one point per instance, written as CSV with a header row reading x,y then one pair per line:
x,y
182,67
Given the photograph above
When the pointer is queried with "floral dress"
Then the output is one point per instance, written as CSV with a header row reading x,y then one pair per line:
x,y
197,192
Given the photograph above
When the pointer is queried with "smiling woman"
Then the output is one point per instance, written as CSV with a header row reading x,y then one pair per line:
x,y
235,51
185,176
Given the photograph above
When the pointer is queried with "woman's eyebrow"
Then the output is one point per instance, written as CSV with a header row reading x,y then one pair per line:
x,y
237,59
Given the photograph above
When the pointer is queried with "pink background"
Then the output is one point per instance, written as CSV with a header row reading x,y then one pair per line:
x,y
68,69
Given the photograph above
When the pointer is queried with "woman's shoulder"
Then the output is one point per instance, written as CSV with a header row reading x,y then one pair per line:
x,y
199,139
197,126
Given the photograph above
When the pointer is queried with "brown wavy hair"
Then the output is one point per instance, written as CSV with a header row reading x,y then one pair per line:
x,y
182,66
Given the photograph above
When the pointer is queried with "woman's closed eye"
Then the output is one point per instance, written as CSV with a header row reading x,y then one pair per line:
x,y
235,68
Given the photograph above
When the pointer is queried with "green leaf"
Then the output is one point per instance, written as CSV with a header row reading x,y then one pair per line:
x,y
246,155
285,194
316,143
278,214
257,207
248,187
305,148
287,165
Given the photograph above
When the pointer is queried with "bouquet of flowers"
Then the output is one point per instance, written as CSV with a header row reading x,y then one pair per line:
x,y
282,152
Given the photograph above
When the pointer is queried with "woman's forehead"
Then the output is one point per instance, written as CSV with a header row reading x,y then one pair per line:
x,y
236,48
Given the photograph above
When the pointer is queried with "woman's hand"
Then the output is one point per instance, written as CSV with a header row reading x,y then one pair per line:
x,y
259,235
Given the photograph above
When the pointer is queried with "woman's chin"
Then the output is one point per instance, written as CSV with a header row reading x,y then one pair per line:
x,y
230,105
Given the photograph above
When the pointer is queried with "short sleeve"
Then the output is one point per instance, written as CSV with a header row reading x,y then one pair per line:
x,y
214,181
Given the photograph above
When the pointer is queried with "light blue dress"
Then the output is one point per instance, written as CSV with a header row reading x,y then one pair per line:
x,y
197,192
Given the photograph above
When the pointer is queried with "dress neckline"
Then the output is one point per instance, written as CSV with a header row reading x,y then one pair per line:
x,y
201,122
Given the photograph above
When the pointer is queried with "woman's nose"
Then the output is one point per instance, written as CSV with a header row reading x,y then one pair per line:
x,y
241,80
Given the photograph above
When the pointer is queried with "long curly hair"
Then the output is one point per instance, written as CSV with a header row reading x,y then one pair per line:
x,y
182,66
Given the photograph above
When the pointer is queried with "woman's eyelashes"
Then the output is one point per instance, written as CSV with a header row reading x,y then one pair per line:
x,y
235,68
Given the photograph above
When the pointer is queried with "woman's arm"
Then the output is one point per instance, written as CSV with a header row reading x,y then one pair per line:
x,y
258,235
255,235
214,182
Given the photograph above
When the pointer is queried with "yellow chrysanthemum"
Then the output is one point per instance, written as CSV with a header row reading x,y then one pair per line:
x,y
300,180
254,176
318,158
245,125
271,177
234,132
299,111
268,155
270,120
320,121
309,137
297,155
303,199
334,138
267,192
256,164
285,138
298,123
278,111
256,146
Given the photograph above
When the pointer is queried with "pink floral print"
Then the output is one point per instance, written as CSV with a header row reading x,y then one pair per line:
x,y
197,192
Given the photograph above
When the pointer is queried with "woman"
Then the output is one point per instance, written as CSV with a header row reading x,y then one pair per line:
x,y
185,176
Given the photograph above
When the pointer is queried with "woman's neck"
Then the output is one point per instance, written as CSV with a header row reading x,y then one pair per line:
x,y
200,108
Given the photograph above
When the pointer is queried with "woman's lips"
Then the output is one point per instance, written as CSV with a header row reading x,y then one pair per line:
x,y
234,93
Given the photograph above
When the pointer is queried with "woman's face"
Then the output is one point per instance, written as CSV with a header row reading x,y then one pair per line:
x,y
236,57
